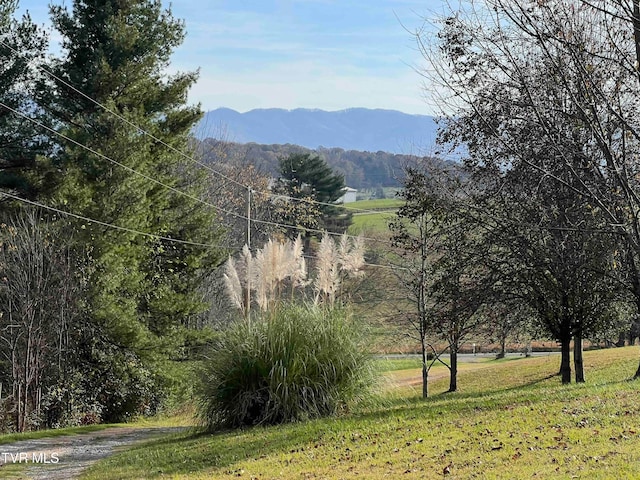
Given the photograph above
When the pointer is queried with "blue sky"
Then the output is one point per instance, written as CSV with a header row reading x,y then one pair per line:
x,y
327,54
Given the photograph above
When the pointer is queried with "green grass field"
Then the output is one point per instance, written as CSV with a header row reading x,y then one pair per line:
x,y
381,204
376,222
511,419
382,211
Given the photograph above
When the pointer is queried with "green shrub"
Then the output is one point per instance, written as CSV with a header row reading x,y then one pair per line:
x,y
304,362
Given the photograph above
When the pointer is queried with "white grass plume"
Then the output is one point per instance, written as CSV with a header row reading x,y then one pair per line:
x,y
276,263
351,255
232,284
260,285
297,263
327,270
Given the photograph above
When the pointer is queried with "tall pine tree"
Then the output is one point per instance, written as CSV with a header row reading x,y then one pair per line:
x,y
23,45
144,290
308,177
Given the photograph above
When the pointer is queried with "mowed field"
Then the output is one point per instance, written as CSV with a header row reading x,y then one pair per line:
x,y
511,419
377,219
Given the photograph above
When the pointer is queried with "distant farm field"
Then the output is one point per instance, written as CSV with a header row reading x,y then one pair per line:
x,y
376,222
383,203
511,419
377,219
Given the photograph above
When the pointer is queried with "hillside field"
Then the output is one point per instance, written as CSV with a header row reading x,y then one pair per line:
x,y
377,220
510,419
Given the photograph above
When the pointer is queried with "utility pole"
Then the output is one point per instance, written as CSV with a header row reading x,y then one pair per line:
x,y
247,298
249,217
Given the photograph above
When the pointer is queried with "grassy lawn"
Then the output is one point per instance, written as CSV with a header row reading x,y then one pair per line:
x,y
383,210
413,362
398,363
365,222
510,419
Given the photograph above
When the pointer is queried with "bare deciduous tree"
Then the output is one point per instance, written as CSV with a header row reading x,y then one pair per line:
x,y
437,267
550,88
41,293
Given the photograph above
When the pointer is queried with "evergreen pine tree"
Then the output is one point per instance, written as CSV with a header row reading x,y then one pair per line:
x,y
23,45
144,290
309,176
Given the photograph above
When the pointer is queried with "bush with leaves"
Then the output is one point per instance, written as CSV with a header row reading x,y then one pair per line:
x,y
304,362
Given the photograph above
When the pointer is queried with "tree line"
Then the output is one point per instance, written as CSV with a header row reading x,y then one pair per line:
x,y
361,170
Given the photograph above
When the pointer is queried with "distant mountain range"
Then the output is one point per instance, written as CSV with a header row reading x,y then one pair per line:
x,y
352,129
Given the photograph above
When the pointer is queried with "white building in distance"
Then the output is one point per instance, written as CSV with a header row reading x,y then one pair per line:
x,y
349,195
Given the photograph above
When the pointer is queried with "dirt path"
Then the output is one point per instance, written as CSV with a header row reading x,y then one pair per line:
x,y
63,458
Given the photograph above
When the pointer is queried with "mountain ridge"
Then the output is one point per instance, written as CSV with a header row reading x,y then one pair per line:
x,y
355,128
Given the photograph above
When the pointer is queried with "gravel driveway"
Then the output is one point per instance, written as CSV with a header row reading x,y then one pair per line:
x,y
64,458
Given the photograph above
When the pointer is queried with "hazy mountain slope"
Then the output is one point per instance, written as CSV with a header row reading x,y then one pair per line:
x,y
360,169
352,129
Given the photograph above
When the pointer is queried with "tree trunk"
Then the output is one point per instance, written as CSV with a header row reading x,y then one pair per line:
x,y
453,370
425,380
636,34
631,342
636,39
565,363
425,372
637,375
503,348
578,362
19,409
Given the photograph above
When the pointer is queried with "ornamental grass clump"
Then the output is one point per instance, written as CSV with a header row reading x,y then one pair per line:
x,y
305,362
262,279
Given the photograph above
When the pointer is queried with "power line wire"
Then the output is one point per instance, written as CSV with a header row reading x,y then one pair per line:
x,y
317,202
110,225
171,147
295,227
138,232
115,162
173,189
128,122
315,230
377,265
